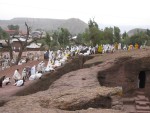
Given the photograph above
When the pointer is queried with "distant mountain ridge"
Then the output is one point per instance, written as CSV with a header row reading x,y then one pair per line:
x,y
135,31
125,28
74,25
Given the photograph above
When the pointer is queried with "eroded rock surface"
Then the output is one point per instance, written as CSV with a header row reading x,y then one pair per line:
x,y
75,92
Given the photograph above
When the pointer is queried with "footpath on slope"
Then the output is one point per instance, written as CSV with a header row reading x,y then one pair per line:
x,y
10,89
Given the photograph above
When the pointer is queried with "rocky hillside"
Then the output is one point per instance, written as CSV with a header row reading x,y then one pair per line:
x,y
74,25
135,31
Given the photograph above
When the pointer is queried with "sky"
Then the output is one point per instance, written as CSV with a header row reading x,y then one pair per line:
x,y
111,12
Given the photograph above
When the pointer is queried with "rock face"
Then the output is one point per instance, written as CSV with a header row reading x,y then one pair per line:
x,y
71,93
85,90
43,84
74,91
127,70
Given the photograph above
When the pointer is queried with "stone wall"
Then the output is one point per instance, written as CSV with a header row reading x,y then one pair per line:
x,y
125,72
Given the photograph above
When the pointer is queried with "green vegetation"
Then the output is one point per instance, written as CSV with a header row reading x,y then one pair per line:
x,y
141,37
3,34
13,27
57,39
91,36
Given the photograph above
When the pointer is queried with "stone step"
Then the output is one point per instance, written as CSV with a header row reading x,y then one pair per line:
x,y
139,112
142,103
141,98
128,100
140,93
142,108
142,111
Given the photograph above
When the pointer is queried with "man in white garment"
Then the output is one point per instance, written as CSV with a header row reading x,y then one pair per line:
x,y
16,75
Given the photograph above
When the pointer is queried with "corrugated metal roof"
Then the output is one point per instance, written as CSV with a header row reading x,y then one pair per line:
x,y
34,45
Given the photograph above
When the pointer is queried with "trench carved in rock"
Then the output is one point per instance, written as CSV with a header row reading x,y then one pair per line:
x,y
44,83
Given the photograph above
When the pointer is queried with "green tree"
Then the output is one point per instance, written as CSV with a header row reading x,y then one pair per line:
x,y
148,32
94,32
83,38
108,36
48,40
63,36
125,39
139,38
3,34
13,27
6,37
124,35
55,37
117,36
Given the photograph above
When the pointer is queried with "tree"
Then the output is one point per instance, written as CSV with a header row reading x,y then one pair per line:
x,y
139,38
48,40
63,36
125,39
124,35
23,44
26,42
93,32
13,27
55,37
108,36
3,34
6,37
117,37
148,32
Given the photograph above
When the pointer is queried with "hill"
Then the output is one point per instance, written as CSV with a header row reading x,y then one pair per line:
x,y
74,25
135,31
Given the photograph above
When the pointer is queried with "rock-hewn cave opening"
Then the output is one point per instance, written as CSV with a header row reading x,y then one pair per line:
x,y
131,74
141,79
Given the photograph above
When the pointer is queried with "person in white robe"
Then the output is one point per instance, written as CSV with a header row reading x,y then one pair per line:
x,y
33,70
19,83
119,46
16,75
6,81
24,74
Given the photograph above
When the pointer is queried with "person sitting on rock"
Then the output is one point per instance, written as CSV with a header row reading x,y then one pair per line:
x,y
19,83
6,81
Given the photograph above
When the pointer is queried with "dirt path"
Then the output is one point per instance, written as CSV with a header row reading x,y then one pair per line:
x,y
11,89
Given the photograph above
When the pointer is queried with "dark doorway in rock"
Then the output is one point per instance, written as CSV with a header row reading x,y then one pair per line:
x,y
142,79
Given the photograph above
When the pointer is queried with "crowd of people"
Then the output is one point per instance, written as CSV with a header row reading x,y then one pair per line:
x,y
55,59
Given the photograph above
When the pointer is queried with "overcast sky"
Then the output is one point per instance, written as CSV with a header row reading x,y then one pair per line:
x,y
114,12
